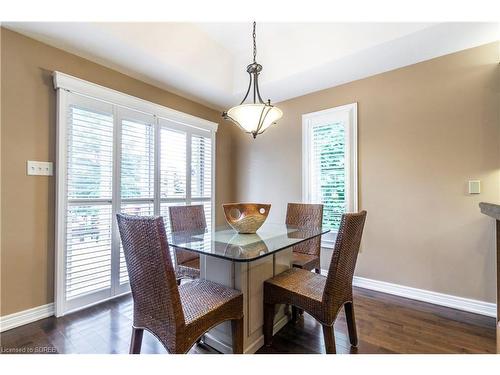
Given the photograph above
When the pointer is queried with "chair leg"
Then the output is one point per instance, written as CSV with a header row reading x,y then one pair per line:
x,y
295,312
237,333
268,323
136,340
351,323
329,338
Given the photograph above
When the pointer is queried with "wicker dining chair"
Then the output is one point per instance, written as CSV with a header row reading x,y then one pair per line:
x,y
187,218
176,315
321,296
306,255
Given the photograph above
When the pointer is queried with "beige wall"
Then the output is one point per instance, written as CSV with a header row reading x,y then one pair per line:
x,y
28,133
424,131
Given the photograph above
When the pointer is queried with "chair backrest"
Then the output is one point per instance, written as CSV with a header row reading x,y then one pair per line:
x,y
183,218
306,215
338,288
157,304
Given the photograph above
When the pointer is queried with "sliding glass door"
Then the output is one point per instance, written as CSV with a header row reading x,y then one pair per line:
x,y
114,159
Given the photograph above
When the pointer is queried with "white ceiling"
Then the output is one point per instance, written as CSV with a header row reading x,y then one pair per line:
x,y
207,61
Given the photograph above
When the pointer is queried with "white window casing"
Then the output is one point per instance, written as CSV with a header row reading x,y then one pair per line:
x,y
330,163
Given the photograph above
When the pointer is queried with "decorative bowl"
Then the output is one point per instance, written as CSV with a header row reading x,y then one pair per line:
x,y
246,218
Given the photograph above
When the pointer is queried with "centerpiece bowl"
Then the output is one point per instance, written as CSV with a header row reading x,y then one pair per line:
x,y
246,218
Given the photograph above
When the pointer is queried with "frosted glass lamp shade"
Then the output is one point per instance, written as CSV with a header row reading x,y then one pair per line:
x,y
254,118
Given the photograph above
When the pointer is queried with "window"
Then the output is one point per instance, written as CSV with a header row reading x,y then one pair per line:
x,y
116,154
330,163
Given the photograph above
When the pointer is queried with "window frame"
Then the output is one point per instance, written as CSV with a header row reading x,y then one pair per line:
x,y
351,162
67,86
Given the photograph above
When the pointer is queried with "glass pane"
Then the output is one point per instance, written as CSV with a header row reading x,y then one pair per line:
x,y
137,160
172,164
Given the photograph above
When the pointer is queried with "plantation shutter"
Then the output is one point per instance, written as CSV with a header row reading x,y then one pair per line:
x,y
173,169
186,172
201,173
137,172
89,154
327,180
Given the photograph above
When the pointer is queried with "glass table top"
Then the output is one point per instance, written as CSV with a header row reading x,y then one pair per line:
x,y
224,242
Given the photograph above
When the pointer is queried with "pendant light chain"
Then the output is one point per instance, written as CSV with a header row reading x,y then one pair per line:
x,y
254,42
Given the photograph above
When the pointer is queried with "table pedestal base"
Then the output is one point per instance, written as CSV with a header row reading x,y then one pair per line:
x,y
249,278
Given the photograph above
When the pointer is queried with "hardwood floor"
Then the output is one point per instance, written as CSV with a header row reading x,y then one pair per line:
x,y
386,324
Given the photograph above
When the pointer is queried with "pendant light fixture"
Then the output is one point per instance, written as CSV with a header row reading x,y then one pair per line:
x,y
254,118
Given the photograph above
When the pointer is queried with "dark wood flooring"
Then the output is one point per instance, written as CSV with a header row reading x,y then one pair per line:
x,y
386,324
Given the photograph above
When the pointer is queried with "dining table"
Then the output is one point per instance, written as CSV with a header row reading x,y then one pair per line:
x,y
244,262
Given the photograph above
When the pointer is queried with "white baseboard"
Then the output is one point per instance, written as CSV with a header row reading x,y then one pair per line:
x,y
27,316
441,299
459,303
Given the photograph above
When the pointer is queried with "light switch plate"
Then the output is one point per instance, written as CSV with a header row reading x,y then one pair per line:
x,y
474,186
39,168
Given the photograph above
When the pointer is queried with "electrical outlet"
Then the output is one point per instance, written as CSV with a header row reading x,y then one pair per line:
x,y
474,187
39,168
